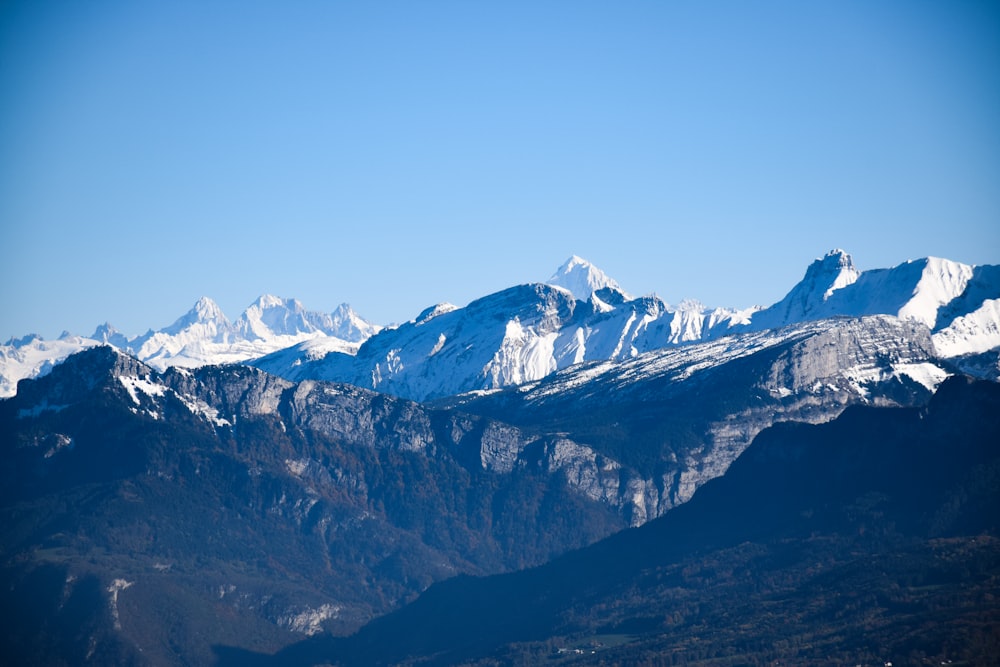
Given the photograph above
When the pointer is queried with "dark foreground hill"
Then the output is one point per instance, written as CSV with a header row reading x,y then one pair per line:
x,y
867,540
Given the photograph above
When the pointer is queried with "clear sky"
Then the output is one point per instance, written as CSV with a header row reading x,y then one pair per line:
x,y
398,154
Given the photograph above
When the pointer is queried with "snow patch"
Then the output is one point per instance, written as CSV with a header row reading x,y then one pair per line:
x,y
200,408
134,385
437,346
310,621
60,442
927,374
116,587
971,333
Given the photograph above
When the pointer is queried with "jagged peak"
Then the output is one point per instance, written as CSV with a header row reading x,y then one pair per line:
x,y
107,333
344,310
827,274
23,340
834,260
105,328
207,310
266,301
582,278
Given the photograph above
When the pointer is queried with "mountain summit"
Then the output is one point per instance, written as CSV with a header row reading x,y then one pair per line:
x,y
583,278
931,290
205,315
805,301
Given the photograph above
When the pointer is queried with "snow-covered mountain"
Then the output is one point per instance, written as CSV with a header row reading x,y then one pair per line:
x,y
914,290
202,336
205,336
582,278
957,302
808,299
518,335
271,317
526,332
32,356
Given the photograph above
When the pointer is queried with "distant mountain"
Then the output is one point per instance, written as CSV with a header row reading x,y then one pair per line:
x,y
809,298
873,538
271,317
916,290
202,336
582,279
525,333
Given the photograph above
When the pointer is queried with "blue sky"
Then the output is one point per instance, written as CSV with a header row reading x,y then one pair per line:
x,y
398,154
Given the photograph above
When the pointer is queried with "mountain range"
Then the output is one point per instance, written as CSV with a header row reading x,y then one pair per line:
x,y
202,336
221,514
526,332
161,509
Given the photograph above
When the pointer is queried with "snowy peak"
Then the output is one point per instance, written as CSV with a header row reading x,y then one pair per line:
x,y
271,316
582,279
205,313
208,310
913,290
203,335
931,291
269,324
837,268
23,341
349,326
108,335
826,275
941,281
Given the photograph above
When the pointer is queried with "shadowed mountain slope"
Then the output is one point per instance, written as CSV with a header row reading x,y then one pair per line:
x,y
822,544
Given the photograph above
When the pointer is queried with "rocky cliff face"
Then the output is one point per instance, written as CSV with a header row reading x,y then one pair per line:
x,y
674,419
